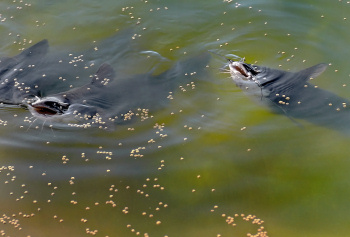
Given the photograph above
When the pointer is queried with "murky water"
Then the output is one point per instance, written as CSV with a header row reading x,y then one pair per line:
x,y
209,163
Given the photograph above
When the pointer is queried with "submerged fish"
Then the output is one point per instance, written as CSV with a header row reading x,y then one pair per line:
x,y
16,79
107,98
292,94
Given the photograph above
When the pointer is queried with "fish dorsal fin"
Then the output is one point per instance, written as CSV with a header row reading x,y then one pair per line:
x,y
35,52
104,75
30,56
284,81
314,71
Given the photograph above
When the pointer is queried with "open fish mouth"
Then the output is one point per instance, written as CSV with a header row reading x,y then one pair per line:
x,y
49,107
48,111
242,69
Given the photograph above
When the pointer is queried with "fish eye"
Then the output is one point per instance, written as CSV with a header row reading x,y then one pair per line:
x,y
56,105
49,103
250,69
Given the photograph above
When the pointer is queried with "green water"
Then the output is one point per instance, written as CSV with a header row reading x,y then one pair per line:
x,y
223,155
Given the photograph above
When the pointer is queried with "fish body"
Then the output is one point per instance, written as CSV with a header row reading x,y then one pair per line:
x,y
16,82
112,98
292,94
35,81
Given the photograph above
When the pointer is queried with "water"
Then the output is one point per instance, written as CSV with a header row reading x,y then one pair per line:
x,y
209,155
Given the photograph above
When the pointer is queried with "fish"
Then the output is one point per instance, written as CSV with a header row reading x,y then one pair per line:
x,y
16,84
111,98
40,70
32,74
30,80
292,94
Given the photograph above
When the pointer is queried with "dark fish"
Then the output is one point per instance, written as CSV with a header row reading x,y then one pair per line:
x,y
36,73
32,74
292,94
111,98
16,82
77,104
31,79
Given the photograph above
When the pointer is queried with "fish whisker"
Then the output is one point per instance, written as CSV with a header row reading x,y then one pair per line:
x,y
31,124
53,133
42,126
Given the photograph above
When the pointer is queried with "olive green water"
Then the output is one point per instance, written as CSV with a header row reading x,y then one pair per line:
x,y
212,163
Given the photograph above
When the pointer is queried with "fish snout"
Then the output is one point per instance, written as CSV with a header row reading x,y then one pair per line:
x,y
49,107
242,70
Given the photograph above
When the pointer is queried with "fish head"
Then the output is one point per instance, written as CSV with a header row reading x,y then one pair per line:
x,y
245,76
58,109
241,71
72,101
49,106
285,92
81,106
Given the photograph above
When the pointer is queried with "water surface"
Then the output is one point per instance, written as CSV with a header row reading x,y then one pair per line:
x,y
212,162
